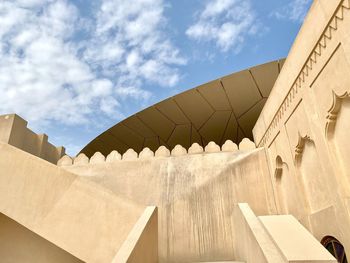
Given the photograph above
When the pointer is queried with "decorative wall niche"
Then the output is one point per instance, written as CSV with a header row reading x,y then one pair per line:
x,y
299,148
281,184
337,133
333,113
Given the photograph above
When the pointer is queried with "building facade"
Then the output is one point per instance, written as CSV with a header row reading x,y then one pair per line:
x,y
252,167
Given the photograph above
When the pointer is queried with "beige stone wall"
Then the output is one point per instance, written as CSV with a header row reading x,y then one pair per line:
x,y
194,193
141,245
14,131
19,244
305,124
77,215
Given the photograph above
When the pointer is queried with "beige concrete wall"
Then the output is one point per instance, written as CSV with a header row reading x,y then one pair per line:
x,y
14,131
19,244
252,243
194,194
275,239
293,241
75,214
141,245
305,124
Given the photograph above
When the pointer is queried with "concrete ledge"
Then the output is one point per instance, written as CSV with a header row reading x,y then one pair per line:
x,y
275,238
141,245
252,242
294,241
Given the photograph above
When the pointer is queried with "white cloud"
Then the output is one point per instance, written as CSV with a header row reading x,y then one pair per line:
x,y
108,104
226,22
41,76
294,11
59,67
135,34
127,92
30,3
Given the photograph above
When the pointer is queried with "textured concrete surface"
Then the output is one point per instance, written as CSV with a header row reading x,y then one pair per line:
x,y
194,195
19,244
300,246
141,245
75,214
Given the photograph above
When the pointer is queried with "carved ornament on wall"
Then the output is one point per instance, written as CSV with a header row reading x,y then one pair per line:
x,y
333,113
299,148
313,58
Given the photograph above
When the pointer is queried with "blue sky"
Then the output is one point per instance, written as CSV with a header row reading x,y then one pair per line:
x,y
74,68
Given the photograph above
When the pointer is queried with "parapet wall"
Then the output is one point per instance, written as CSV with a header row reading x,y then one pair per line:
x,y
146,153
75,214
193,190
14,131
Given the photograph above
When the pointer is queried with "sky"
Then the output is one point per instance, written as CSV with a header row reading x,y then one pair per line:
x,y
74,68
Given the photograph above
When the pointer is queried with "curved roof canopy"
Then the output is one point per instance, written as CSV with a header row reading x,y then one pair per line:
x,y
226,108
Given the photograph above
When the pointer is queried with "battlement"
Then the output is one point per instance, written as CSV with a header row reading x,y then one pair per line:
x,y
14,131
146,153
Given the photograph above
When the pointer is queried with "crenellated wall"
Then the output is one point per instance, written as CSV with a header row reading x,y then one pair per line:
x,y
162,151
305,124
14,131
194,190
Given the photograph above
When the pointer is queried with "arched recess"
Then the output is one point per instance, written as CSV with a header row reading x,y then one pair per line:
x,y
335,248
334,112
299,148
312,174
281,185
337,133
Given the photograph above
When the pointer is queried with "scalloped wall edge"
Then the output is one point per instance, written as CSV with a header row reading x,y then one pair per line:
x,y
130,155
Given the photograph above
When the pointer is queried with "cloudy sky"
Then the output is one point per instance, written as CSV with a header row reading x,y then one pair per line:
x,y
73,68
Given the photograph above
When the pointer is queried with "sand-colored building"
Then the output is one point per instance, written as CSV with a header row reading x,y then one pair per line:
x,y
252,167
